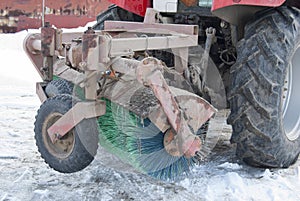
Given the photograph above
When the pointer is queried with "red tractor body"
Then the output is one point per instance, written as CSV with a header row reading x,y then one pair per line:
x,y
217,4
135,6
139,6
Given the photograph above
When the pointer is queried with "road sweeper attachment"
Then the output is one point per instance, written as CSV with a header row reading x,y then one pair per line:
x,y
145,90
104,85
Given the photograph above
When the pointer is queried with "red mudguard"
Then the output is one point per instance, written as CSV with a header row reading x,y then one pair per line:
x,y
217,4
135,6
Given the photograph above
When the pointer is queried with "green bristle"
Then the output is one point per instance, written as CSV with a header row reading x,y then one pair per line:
x,y
140,143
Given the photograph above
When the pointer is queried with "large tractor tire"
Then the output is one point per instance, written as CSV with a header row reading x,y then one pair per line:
x,y
74,151
265,95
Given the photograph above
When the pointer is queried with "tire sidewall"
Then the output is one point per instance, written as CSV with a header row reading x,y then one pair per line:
x,y
257,85
83,151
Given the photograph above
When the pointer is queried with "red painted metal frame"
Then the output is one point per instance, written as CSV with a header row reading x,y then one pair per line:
x,y
217,4
138,7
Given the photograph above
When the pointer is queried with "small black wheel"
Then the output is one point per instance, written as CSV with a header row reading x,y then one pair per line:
x,y
59,86
74,151
265,97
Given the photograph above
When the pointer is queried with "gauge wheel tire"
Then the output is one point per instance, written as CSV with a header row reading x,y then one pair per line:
x,y
59,86
264,90
74,151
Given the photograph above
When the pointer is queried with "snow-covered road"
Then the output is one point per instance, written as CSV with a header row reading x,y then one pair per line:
x,y
24,175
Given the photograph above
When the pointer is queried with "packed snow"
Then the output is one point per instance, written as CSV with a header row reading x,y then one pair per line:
x,y
24,175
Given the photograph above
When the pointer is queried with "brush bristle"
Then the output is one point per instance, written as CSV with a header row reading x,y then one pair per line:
x,y
140,143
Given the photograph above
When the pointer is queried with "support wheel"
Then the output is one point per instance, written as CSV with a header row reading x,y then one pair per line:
x,y
75,150
59,86
265,114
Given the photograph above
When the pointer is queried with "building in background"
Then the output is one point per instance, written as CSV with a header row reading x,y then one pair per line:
x,y
16,15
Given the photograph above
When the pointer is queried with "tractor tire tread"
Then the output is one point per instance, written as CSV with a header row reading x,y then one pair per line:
x,y
83,153
59,86
256,81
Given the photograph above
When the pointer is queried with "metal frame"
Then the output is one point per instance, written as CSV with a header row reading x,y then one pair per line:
x,y
98,50
79,112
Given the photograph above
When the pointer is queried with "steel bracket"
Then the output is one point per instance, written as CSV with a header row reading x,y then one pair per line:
x,y
79,112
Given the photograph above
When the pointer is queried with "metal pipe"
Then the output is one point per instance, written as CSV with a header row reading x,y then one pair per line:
x,y
43,13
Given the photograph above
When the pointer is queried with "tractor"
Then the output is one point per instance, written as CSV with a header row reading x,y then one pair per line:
x,y
149,79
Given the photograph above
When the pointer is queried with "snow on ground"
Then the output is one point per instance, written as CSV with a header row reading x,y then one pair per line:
x,y
24,175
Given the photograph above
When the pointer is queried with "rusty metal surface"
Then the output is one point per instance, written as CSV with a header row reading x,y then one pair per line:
x,y
196,108
33,54
40,91
48,46
75,55
48,41
94,50
190,2
16,15
149,74
82,110
134,96
131,95
90,50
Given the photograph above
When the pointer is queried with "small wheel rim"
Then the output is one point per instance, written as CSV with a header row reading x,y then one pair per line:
x,y
63,147
291,99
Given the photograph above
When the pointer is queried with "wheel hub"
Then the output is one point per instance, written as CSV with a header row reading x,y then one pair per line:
x,y
291,99
63,147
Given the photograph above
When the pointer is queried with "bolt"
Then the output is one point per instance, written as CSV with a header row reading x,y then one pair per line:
x,y
57,135
224,24
83,65
47,24
108,72
90,30
68,46
106,60
146,62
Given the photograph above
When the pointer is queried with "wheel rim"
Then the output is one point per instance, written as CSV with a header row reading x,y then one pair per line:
x,y
63,147
291,99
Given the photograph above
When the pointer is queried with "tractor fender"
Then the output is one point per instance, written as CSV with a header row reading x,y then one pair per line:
x,y
239,12
218,4
138,7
